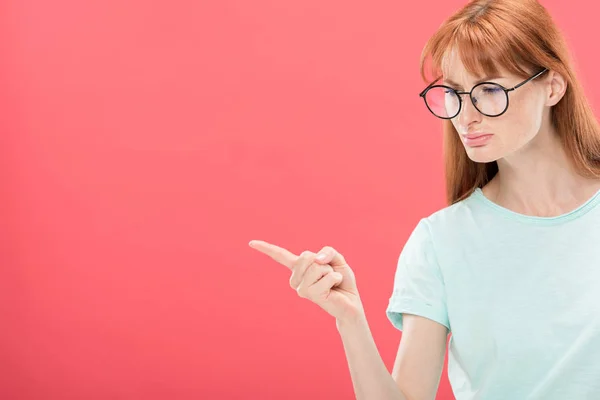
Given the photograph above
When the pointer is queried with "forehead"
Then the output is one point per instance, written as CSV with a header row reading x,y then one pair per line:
x,y
466,67
457,67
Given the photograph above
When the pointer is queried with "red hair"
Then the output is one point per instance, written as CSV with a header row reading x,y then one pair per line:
x,y
520,36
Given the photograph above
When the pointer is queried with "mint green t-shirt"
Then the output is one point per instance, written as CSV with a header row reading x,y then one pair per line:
x,y
519,294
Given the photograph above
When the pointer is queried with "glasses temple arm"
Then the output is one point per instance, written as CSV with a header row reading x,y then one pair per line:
x,y
428,86
527,80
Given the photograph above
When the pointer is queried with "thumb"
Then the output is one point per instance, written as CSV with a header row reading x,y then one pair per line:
x,y
328,255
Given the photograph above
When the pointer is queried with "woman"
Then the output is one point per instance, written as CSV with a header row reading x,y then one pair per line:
x,y
511,267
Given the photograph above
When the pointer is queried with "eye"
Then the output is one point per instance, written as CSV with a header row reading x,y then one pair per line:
x,y
491,89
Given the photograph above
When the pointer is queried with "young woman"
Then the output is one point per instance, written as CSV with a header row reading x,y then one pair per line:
x,y
511,267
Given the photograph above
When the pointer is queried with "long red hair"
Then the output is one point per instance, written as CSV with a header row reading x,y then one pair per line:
x,y
520,36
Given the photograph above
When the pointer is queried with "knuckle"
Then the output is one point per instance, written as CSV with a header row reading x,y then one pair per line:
x,y
305,254
322,270
301,292
302,259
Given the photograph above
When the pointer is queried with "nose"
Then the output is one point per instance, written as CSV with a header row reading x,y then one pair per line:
x,y
468,113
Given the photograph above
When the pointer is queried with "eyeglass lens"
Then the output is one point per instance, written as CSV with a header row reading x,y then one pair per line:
x,y
490,99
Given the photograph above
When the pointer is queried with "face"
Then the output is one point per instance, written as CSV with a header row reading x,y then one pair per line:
x,y
487,139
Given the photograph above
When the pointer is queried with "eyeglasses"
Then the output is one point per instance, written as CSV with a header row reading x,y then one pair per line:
x,y
489,98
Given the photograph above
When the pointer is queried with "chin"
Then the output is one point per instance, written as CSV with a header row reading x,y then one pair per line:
x,y
482,154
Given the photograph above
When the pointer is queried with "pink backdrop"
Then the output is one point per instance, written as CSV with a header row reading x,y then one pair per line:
x,y
143,144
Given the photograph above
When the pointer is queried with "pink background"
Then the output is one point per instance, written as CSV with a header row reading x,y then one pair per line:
x,y
143,144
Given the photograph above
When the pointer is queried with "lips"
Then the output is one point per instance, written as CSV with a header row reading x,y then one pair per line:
x,y
476,139
471,136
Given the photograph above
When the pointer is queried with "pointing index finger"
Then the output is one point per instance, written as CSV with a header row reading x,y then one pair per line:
x,y
277,253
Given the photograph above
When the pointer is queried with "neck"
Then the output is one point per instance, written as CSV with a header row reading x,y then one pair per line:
x,y
540,179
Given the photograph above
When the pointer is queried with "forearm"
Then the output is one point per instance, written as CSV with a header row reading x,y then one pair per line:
x,y
370,377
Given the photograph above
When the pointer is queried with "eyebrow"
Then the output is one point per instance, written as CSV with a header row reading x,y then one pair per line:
x,y
485,78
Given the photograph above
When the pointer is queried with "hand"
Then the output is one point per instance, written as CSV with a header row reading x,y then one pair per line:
x,y
328,282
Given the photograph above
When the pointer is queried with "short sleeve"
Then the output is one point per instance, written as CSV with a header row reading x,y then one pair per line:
x,y
418,283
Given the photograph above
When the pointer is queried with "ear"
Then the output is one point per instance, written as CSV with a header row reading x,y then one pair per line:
x,y
557,86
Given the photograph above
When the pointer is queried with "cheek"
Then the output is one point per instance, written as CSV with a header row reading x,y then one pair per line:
x,y
528,122
517,126
520,123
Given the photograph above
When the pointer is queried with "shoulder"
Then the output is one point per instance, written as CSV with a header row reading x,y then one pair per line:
x,y
431,228
453,216
446,227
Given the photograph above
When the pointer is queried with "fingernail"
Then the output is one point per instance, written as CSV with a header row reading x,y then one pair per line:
x,y
321,256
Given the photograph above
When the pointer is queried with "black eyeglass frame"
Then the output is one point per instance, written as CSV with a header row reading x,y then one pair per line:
x,y
459,94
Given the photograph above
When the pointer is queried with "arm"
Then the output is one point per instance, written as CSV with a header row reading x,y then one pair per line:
x,y
420,359
417,368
